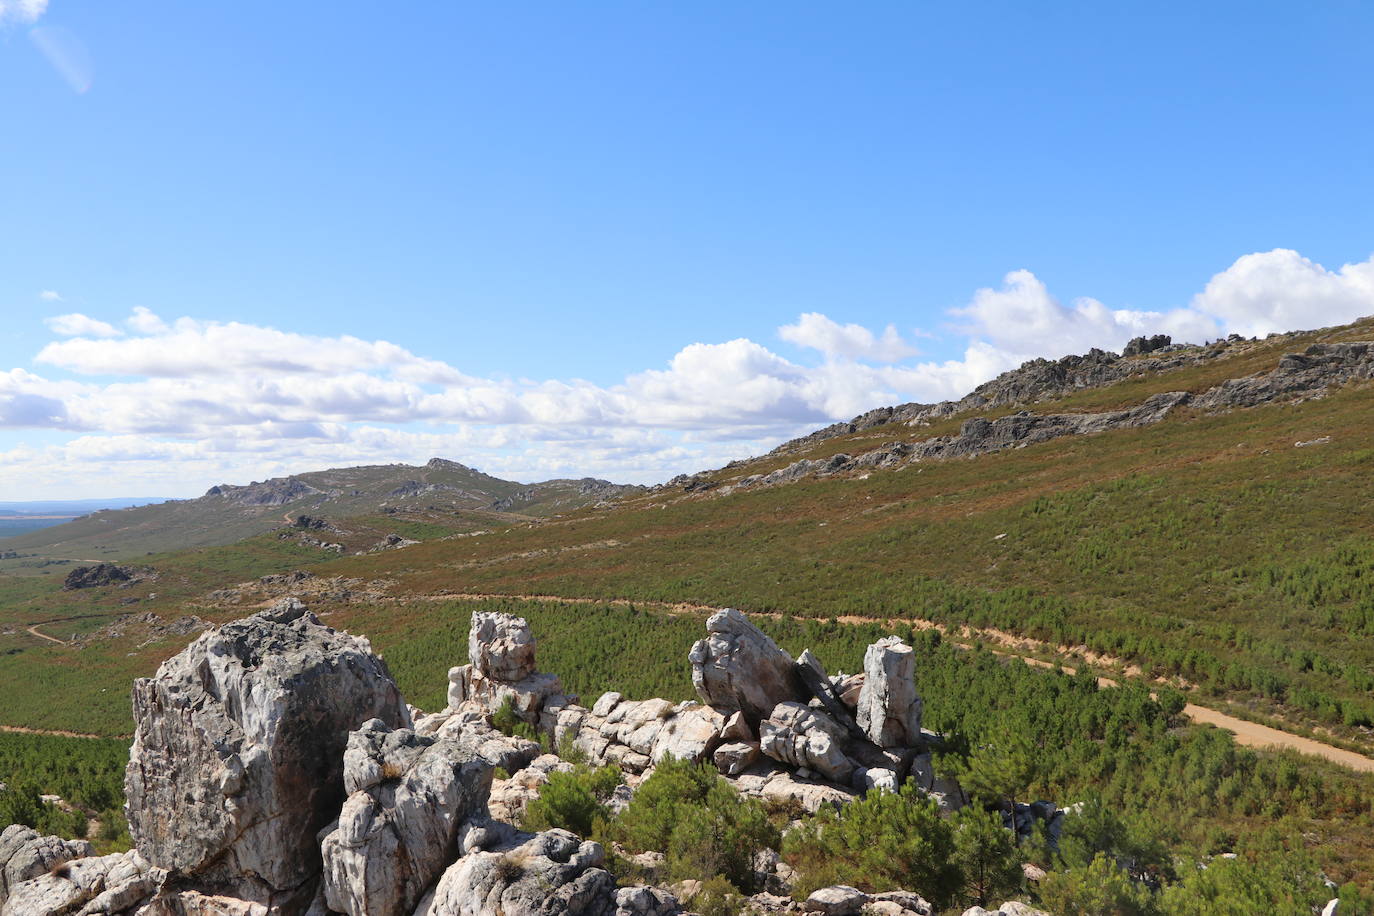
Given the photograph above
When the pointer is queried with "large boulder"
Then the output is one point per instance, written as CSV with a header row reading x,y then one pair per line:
x,y
889,710
804,737
398,829
501,668
238,753
26,854
738,667
501,646
518,874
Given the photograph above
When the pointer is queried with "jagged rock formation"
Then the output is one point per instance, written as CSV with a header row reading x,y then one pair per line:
x,y
26,854
889,711
501,668
738,668
98,575
237,760
1139,346
1298,376
276,772
977,436
278,491
398,829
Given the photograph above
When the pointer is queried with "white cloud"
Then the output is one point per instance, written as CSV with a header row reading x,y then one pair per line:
x,y
145,322
1023,318
81,326
50,295
849,341
21,11
1281,290
206,402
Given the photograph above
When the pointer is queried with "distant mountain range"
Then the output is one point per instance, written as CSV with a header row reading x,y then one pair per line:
x,y
108,529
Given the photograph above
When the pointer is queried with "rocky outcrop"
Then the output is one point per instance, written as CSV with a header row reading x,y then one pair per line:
x,y
89,886
26,854
977,436
1298,376
739,668
807,738
238,753
98,575
889,711
278,491
1139,346
635,734
255,790
504,871
390,542
501,667
408,796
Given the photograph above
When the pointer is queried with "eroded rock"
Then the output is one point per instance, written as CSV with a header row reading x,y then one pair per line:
x,y
237,760
398,829
889,709
738,667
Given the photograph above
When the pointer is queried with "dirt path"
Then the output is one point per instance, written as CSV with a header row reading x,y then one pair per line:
x,y
1250,734
34,631
21,730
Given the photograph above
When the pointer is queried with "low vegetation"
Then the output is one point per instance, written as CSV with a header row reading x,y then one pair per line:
x,y
85,775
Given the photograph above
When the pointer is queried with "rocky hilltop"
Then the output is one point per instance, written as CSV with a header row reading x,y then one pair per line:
x,y
1297,377
438,490
276,769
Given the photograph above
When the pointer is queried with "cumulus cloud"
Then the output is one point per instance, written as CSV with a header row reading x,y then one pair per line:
x,y
78,325
50,295
1281,290
1023,318
21,11
848,341
209,402
144,321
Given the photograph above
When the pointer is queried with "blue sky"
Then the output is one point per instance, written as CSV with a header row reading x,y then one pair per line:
x,y
582,232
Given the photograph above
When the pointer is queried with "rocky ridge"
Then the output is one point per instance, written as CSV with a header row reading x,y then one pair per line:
x,y
276,770
1297,377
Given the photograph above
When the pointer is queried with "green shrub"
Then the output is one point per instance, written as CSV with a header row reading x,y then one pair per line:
x,y
1099,888
986,855
717,897
704,827
507,722
882,841
574,801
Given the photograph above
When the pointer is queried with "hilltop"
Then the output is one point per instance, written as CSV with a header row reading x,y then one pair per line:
x,y
440,492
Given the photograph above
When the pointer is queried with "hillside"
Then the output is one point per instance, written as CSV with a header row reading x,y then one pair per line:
x,y
229,513
1187,520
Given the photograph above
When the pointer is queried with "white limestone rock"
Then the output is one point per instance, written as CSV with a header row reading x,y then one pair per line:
x,y
237,760
543,874
889,710
738,667
399,826
805,737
